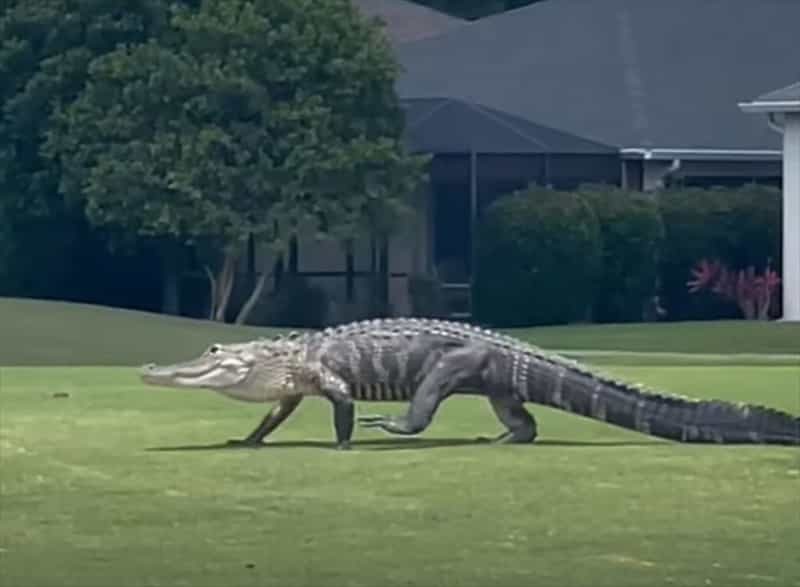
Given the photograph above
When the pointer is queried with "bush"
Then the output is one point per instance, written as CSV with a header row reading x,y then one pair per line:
x,y
632,235
739,227
538,256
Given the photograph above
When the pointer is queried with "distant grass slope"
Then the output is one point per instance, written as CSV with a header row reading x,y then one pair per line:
x,y
35,332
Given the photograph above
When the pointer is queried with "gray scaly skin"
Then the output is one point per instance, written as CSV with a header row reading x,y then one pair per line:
x,y
423,361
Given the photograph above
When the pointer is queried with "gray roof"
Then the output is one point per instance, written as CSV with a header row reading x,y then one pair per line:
x,y
788,94
444,125
630,73
405,21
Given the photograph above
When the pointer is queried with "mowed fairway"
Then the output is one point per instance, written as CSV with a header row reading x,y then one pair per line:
x,y
105,482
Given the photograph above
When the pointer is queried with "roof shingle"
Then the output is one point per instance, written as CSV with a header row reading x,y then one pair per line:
x,y
444,125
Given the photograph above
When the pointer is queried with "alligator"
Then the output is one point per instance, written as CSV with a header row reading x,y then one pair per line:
x,y
423,361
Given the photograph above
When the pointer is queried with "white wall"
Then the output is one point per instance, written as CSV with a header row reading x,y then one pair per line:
x,y
791,217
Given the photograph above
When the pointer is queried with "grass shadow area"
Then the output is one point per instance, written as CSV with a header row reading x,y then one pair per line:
x,y
391,444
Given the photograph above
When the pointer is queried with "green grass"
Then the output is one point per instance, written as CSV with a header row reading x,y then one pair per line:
x,y
123,485
118,484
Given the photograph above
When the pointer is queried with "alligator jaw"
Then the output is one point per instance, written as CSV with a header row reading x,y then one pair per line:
x,y
196,373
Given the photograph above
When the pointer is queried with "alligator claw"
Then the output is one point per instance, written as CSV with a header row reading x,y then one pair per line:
x,y
374,421
393,425
499,439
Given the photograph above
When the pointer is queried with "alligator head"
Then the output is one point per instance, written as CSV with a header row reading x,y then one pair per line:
x,y
254,371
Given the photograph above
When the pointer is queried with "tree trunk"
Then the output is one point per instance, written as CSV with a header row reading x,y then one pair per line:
x,y
212,297
221,286
252,300
225,285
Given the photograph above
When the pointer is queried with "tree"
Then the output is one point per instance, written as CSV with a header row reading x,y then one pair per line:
x,y
46,48
256,117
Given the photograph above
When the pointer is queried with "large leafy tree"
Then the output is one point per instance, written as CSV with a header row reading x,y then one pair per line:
x,y
252,117
46,47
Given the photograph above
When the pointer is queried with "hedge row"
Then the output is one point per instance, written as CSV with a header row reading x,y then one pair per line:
x,y
604,254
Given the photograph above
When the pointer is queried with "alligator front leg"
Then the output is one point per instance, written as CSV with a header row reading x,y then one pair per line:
x,y
454,368
343,419
276,416
335,389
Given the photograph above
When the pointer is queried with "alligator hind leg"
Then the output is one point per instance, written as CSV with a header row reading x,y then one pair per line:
x,y
468,363
276,416
520,423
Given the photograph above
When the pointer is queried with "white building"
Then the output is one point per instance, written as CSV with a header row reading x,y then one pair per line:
x,y
782,108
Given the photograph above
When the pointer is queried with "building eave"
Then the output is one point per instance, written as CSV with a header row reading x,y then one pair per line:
x,y
690,154
771,106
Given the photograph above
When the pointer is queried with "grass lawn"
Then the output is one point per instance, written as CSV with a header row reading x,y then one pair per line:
x,y
122,485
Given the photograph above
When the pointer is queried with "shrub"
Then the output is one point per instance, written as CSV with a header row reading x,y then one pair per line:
x,y
754,294
739,227
632,235
538,256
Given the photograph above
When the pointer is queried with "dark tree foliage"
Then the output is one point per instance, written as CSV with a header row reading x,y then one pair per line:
x,y
253,117
165,122
46,47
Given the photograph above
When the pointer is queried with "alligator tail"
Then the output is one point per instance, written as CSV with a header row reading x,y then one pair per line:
x,y
574,389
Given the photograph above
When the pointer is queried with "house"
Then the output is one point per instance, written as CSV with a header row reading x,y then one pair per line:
x,y
640,93
783,110
479,154
658,80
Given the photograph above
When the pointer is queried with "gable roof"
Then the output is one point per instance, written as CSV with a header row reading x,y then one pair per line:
x,y
446,125
787,94
630,73
405,21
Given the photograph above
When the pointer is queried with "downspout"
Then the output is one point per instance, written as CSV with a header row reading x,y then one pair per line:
x,y
671,170
773,123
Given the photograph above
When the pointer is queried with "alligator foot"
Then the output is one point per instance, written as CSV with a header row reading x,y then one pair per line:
x,y
245,442
395,425
499,439
505,438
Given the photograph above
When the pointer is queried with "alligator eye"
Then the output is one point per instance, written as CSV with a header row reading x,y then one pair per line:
x,y
214,348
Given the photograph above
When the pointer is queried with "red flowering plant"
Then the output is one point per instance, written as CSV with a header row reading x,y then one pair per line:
x,y
754,294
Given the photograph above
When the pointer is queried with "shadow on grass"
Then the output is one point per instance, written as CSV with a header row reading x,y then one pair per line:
x,y
399,444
